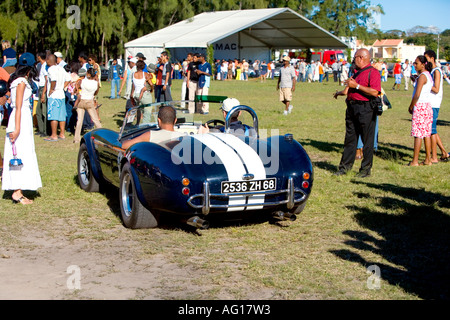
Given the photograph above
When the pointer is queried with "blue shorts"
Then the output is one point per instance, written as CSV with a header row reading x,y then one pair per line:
x,y
398,78
56,109
435,117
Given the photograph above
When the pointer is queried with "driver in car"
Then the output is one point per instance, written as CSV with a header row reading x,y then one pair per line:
x,y
166,122
236,126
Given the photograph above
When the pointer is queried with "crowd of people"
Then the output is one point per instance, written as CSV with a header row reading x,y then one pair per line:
x,y
63,98
147,83
362,91
45,88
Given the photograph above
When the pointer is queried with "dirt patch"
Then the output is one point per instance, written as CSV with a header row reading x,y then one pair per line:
x,y
47,267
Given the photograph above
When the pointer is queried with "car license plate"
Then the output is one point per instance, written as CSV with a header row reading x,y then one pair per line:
x,y
249,186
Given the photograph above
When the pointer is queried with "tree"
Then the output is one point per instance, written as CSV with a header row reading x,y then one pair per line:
x,y
344,17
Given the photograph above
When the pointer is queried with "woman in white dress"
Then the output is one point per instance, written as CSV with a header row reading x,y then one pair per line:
x,y
19,134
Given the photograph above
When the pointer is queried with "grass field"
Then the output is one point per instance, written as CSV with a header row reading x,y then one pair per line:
x,y
396,221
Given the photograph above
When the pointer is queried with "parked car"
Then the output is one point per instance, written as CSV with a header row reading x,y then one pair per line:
x,y
197,177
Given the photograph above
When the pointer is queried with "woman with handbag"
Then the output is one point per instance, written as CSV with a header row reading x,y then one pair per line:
x,y
21,171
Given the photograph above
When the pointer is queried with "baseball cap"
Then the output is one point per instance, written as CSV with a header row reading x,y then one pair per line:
x,y
286,58
229,104
58,54
140,55
27,59
134,60
82,72
151,68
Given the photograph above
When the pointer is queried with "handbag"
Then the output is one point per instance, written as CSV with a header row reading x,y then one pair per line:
x,y
385,101
381,103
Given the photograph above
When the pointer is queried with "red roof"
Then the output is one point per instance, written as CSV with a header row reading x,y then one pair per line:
x,y
388,43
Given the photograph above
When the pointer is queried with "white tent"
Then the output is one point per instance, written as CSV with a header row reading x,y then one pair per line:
x,y
250,34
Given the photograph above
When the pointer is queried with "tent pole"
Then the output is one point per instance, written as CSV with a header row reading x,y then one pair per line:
x,y
239,46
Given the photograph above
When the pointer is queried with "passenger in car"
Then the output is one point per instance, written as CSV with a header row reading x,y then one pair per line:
x,y
236,126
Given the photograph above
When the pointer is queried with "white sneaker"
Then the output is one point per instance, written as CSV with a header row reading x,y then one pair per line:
x,y
290,108
285,112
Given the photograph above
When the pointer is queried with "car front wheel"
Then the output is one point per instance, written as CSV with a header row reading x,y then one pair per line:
x,y
134,214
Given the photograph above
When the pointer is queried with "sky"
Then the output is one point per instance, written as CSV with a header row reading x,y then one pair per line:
x,y
406,14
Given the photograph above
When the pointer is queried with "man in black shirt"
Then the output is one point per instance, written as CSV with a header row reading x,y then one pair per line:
x,y
166,78
192,82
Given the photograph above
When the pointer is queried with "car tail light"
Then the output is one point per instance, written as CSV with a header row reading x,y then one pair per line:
x,y
305,184
306,176
185,191
185,182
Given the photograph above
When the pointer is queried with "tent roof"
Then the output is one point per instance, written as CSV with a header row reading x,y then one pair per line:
x,y
275,28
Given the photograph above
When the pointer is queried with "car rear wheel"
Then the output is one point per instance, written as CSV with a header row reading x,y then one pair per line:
x,y
299,209
85,177
134,214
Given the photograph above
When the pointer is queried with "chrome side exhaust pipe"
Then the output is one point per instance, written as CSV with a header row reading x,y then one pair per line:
x,y
197,222
280,215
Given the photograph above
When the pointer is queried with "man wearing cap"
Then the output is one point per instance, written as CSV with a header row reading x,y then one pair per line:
x,y
57,80
59,59
286,84
204,72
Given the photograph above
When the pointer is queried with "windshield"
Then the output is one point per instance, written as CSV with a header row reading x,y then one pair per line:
x,y
146,117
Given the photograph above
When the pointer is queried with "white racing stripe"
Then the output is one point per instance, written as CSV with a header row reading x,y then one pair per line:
x,y
233,164
251,160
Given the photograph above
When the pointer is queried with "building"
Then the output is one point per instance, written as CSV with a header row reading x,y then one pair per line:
x,y
391,49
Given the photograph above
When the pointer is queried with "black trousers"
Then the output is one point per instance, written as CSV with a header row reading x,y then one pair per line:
x,y
360,119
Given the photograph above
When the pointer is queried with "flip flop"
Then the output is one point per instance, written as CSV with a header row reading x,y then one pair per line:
x,y
445,159
59,138
50,139
23,200
425,164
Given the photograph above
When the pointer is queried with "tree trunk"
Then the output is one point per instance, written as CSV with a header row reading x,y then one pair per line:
x,y
103,47
69,40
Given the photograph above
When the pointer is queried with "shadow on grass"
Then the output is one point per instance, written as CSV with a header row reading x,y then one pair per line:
x,y
415,240
443,123
32,195
394,152
118,118
322,145
387,151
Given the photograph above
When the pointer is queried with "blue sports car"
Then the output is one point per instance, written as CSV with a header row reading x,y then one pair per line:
x,y
196,177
